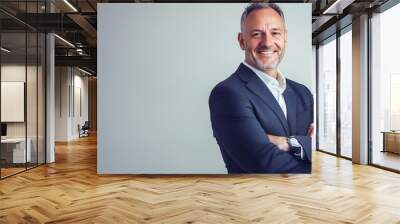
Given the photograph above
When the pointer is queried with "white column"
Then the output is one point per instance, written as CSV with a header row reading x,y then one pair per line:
x,y
50,100
50,92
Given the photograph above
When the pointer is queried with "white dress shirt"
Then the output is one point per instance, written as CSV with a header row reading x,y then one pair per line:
x,y
276,86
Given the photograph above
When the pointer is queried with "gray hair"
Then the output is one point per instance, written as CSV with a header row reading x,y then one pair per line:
x,y
260,5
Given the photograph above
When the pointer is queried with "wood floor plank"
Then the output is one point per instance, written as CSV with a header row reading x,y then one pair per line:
x,y
70,191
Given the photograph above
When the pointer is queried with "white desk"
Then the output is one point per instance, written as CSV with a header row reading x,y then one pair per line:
x,y
18,149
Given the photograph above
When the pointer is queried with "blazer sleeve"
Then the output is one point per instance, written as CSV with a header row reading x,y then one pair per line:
x,y
240,134
306,141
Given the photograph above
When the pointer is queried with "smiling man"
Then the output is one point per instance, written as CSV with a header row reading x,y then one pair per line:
x,y
261,120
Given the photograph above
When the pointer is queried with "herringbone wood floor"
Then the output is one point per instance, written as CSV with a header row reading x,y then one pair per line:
x,y
70,191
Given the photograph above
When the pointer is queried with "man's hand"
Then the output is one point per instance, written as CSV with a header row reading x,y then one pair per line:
x,y
279,141
310,131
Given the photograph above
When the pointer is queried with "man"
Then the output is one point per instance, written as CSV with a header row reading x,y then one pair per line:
x,y
262,121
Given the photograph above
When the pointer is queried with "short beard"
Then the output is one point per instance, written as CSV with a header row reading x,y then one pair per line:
x,y
265,67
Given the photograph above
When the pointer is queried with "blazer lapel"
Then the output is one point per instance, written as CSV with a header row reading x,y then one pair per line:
x,y
258,87
291,102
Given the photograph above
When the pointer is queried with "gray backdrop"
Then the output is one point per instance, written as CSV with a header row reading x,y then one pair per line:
x,y
157,64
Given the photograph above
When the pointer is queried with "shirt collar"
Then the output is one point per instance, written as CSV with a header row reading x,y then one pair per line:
x,y
280,82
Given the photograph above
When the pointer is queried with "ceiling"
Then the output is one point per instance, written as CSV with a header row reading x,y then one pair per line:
x,y
76,22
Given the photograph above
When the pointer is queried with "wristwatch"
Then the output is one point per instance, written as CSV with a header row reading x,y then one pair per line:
x,y
295,148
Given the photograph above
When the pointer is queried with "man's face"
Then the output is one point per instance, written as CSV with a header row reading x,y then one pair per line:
x,y
263,39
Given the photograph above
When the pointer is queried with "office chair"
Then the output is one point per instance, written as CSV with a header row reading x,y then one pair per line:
x,y
84,130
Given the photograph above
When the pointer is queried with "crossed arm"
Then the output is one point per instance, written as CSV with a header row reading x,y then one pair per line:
x,y
240,134
281,141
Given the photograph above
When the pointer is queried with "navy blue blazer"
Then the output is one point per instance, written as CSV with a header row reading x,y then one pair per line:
x,y
243,111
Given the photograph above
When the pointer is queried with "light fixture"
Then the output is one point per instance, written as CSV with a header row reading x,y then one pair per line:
x,y
79,51
84,71
70,5
64,40
5,50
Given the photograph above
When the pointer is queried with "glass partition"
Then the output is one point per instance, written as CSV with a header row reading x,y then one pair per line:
x,y
22,78
32,95
346,94
327,96
13,109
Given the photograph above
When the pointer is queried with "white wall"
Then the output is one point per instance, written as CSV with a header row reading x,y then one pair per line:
x,y
79,117
68,82
61,103
157,64
12,73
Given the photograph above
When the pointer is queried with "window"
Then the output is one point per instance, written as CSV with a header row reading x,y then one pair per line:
x,y
385,89
346,94
327,96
